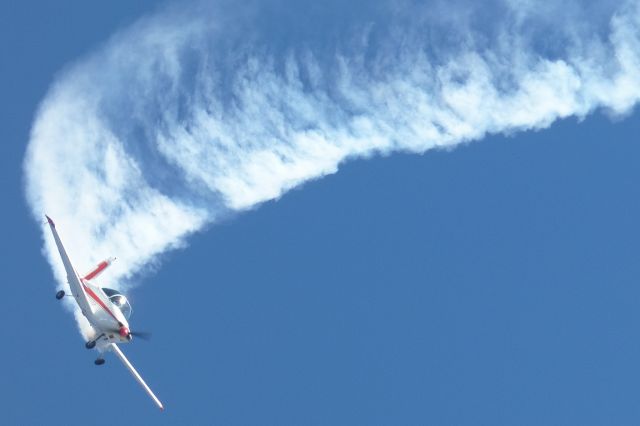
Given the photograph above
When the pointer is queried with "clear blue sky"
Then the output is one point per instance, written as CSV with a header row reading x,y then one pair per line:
x,y
496,283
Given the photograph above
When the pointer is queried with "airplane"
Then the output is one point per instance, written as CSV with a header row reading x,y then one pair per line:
x,y
107,311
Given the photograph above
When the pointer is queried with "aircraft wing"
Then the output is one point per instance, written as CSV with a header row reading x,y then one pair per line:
x,y
72,277
135,374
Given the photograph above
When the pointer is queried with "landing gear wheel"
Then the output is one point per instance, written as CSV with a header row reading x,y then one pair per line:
x,y
99,361
60,294
90,344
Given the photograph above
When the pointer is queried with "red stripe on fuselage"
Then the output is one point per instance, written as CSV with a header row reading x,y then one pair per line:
x,y
100,302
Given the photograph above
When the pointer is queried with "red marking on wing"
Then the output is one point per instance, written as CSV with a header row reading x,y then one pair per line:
x,y
50,221
101,266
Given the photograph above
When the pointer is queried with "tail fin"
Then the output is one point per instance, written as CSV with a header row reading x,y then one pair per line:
x,y
98,270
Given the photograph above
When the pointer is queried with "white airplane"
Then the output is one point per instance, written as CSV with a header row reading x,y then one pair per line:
x,y
106,310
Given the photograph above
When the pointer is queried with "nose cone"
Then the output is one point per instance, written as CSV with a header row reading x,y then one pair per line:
x,y
124,332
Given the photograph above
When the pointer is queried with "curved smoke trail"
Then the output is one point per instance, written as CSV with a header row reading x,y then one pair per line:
x,y
191,115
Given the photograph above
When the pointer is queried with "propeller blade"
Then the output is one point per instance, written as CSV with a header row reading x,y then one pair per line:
x,y
144,335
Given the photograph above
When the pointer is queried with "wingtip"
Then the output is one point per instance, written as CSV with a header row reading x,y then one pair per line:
x,y
50,221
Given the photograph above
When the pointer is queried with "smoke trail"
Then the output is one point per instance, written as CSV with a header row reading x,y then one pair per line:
x,y
192,115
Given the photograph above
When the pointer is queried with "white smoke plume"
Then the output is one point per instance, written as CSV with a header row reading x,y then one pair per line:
x,y
198,112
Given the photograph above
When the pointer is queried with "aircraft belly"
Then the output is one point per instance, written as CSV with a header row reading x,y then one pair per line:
x,y
103,321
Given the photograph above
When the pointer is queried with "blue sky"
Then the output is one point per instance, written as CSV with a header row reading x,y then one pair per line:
x,y
492,283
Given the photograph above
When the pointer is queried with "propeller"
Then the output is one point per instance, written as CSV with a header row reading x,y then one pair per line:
x,y
144,335
123,331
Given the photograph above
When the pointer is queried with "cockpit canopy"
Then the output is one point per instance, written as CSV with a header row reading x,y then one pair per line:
x,y
119,300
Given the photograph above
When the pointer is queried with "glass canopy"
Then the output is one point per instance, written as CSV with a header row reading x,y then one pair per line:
x,y
119,300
